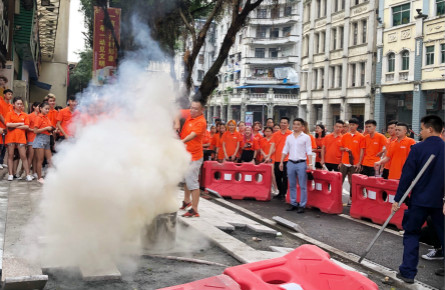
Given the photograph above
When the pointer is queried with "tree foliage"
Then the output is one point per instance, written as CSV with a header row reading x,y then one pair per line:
x,y
81,75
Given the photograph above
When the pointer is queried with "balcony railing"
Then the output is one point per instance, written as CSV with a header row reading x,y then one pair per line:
x,y
403,76
389,77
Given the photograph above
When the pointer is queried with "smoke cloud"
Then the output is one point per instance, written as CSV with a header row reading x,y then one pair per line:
x,y
120,171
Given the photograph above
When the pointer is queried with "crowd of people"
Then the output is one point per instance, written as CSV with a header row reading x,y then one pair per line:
x,y
31,137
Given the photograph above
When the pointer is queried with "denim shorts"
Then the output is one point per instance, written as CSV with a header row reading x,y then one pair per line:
x,y
41,142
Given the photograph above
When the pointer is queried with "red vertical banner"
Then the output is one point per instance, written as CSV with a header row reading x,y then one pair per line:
x,y
104,48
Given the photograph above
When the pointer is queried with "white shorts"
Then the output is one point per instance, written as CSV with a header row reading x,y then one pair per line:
x,y
192,175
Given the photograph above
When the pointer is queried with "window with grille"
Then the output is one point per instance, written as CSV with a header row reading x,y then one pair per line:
x,y
353,72
274,33
261,13
364,30
342,33
261,31
201,59
288,11
391,62
362,73
275,12
442,53
273,52
259,52
286,31
334,38
200,75
400,14
405,60
430,55
355,33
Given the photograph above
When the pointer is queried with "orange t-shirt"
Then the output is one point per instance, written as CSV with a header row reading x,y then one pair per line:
x,y
42,121
319,144
206,140
354,143
279,139
398,152
265,146
230,141
373,146
16,135
4,109
197,125
52,116
388,143
216,142
65,117
314,146
30,135
332,146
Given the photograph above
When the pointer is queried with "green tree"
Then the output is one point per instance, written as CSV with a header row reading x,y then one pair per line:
x,y
81,74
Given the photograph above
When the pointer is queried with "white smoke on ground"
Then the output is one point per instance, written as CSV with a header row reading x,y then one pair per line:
x,y
121,170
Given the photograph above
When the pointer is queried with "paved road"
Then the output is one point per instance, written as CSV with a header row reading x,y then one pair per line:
x,y
348,236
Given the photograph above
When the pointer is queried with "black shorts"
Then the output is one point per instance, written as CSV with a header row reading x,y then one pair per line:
x,y
247,155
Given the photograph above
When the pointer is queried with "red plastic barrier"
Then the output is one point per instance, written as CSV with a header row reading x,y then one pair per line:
x,y
324,192
220,282
239,181
372,198
307,267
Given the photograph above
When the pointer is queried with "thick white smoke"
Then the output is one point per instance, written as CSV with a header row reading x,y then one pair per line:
x,y
120,171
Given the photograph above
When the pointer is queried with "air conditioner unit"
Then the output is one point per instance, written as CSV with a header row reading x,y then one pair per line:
x,y
400,103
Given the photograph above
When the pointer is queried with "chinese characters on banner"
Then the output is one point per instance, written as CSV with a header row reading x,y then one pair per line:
x,y
104,48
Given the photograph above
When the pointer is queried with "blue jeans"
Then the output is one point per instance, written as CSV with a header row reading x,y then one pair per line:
x,y
413,219
295,171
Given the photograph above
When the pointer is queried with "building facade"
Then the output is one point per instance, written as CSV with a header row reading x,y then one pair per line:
x,y
260,78
410,79
338,60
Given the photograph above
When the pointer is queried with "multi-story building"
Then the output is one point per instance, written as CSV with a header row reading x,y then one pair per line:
x,y
410,75
338,62
260,76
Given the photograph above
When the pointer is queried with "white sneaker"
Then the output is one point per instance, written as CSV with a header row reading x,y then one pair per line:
x,y
41,180
5,165
433,254
35,175
19,176
29,178
10,177
1,167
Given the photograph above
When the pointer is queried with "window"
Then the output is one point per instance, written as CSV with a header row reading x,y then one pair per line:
x,y
332,75
356,2
405,60
315,80
430,55
273,52
353,72
240,38
322,78
322,41
274,32
288,10
442,53
400,14
340,75
362,73
391,62
261,13
201,59
261,32
364,31
343,4
316,42
318,8
275,12
200,75
238,57
341,36
354,33
334,38
440,7
336,5
286,31
259,52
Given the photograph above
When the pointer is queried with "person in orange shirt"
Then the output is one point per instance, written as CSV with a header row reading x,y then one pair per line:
x,y
241,127
320,133
269,122
43,129
65,117
313,143
258,135
373,145
331,153
17,123
216,142
192,133
265,145
351,144
345,128
276,128
52,116
231,140
249,146
276,149
397,152
391,130
5,107
206,144
30,135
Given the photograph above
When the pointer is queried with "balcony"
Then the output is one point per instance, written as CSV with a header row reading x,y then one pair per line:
x,y
271,60
403,76
293,18
289,39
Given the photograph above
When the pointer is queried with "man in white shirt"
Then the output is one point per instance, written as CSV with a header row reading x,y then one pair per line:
x,y
298,145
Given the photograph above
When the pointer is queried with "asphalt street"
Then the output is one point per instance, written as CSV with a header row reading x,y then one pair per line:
x,y
349,236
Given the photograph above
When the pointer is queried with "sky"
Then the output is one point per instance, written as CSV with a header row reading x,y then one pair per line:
x,y
76,40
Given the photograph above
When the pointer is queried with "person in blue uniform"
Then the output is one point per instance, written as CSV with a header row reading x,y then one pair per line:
x,y
427,195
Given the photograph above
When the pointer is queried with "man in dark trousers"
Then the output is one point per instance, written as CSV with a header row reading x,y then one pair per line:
x,y
427,195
